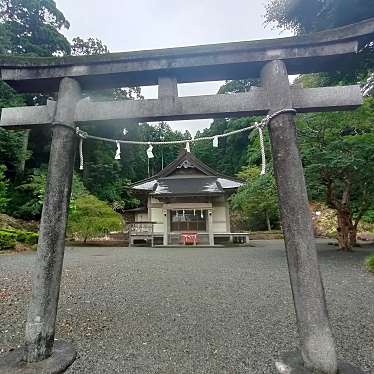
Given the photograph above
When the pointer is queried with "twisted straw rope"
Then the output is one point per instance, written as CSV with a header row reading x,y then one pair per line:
x,y
259,126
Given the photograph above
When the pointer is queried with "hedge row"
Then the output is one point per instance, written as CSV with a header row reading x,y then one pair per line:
x,y
8,238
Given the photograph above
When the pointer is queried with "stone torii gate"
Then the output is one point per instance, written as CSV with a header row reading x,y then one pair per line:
x,y
272,60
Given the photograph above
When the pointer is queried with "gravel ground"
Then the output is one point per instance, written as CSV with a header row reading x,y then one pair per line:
x,y
189,310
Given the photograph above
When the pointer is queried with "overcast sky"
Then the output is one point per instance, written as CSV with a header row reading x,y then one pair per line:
x,y
125,25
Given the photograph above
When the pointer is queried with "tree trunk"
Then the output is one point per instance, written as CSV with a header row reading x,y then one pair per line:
x,y
343,230
267,220
353,236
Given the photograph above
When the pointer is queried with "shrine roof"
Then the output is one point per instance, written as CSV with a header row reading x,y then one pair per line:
x,y
187,175
196,186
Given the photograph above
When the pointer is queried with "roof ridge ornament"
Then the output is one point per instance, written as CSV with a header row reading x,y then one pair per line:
x,y
186,164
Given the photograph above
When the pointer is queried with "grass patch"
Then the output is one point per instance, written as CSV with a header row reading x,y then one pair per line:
x,y
369,263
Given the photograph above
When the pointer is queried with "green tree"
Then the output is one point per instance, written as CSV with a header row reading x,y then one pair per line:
x,y
257,199
315,15
26,199
5,43
338,156
302,16
91,46
29,28
231,154
92,218
32,27
3,189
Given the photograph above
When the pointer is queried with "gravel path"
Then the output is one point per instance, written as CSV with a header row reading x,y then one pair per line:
x,y
192,310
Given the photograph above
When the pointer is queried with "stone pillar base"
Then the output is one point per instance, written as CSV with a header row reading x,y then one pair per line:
x,y
292,363
62,357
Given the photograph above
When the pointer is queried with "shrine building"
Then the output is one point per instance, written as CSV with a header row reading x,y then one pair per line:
x,y
185,203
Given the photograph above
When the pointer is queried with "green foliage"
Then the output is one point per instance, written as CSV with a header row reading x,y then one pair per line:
x,y
237,151
369,263
91,46
315,15
3,189
303,16
26,237
337,150
92,218
33,27
11,151
8,97
368,216
338,157
26,199
7,240
166,153
108,178
5,43
94,46
243,85
257,199
230,156
77,190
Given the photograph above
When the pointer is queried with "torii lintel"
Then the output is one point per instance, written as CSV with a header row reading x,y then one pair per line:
x,y
328,50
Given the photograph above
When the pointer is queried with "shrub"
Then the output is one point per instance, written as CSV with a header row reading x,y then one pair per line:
x,y
92,218
26,237
369,263
7,240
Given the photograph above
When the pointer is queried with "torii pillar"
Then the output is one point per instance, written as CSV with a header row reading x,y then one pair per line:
x,y
317,347
41,353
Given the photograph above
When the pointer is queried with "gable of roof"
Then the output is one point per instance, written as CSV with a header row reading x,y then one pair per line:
x,y
187,160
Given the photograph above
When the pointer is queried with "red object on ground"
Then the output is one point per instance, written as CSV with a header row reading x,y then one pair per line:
x,y
189,238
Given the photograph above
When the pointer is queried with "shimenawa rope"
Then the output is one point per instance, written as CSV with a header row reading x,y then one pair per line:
x,y
259,126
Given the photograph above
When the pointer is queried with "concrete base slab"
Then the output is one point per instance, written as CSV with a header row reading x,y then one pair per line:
x,y
292,363
62,357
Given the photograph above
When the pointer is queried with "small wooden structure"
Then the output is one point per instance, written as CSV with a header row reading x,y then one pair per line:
x,y
188,198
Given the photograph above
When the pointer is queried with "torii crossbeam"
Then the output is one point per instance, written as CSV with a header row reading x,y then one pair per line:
x,y
272,61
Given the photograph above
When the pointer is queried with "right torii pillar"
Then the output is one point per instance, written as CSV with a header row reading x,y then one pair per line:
x,y
317,348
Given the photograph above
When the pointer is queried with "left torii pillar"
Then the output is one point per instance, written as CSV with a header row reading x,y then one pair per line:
x,y
42,353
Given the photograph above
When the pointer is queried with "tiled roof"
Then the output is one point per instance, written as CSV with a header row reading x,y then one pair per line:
x,y
208,181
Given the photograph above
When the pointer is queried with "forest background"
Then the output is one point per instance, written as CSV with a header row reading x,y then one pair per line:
x,y
337,148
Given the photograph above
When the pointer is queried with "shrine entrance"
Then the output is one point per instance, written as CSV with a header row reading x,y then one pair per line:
x,y
269,60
